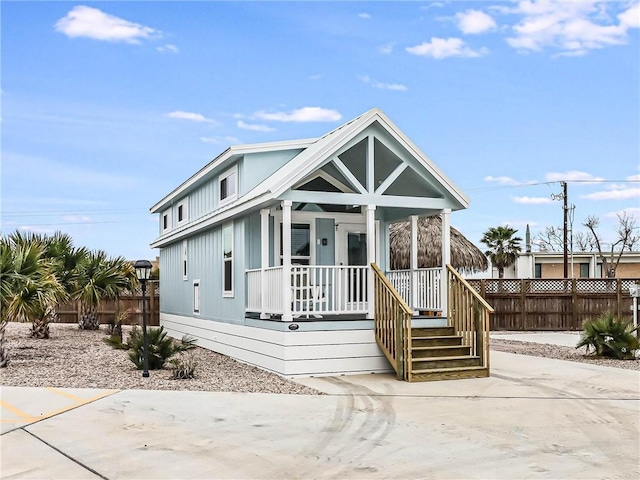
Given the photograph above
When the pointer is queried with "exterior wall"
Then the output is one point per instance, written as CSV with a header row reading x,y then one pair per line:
x,y
628,270
342,350
204,263
258,166
552,265
325,229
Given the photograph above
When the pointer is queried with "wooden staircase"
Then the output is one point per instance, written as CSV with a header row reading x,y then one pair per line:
x,y
459,350
437,353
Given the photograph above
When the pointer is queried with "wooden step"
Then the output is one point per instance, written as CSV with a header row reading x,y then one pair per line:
x,y
441,351
448,374
432,331
444,340
444,362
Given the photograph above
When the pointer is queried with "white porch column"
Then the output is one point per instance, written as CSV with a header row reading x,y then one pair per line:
x,y
371,256
286,260
446,258
264,259
414,263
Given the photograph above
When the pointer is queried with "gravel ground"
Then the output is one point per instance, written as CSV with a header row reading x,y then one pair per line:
x,y
74,358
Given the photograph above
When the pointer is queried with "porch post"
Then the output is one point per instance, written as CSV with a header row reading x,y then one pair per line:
x,y
286,260
264,260
446,258
371,257
414,263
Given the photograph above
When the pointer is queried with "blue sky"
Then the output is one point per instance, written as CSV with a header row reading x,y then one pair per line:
x,y
108,106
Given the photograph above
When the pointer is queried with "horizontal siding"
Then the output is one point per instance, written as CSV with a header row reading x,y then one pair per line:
x,y
287,353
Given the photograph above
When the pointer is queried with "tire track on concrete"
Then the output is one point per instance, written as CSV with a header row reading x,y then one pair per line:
x,y
363,419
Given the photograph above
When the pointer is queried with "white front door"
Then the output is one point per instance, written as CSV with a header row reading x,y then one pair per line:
x,y
351,244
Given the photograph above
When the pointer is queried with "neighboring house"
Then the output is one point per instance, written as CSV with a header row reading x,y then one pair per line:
x,y
585,265
265,251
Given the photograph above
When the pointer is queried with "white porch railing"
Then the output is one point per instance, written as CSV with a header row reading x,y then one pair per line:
x,y
428,287
316,290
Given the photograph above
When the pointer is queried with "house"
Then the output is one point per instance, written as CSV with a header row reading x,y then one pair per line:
x,y
266,253
579,265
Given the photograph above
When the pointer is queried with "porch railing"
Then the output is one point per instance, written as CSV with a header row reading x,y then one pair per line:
x,y
427,289
392,320
469,314
316,290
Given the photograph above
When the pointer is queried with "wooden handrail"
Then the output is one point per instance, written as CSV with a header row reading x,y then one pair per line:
x,y
392,321
473,291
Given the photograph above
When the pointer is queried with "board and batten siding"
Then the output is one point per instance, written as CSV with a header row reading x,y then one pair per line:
x,y
204,263
288,353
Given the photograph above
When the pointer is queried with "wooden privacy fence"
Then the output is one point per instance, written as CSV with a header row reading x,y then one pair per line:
x,y
553,304
71,312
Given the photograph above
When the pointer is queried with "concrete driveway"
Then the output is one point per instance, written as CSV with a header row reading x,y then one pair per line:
x,y
534,418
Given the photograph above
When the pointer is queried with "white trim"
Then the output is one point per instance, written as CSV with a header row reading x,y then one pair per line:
x,y
286,260
348,175
185,259
196,297
446,259
184,204
325,176
393,176
227,293
233,171
165,220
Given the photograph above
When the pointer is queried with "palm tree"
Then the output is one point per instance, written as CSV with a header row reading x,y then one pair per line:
x,y
29,288
504,247
100,278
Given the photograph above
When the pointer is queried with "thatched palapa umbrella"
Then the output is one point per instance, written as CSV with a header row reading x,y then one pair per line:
x,y
465,256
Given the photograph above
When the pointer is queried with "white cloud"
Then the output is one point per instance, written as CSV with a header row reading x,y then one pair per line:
x,y
439,48
305,114
502,180
475,21
572,175
634,178
254,127
399,87
532,200
315,77
633,212
76,218
220,140
168,48
194,117
573,28
89,22
364,15
617,193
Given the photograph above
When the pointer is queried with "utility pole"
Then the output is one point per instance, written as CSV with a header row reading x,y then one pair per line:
x,y
565,230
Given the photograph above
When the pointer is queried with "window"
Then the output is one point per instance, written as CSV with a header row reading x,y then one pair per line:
x,y
300,243
227,260
166,221
184,260
196,296
537,270
229,185
584,270
183,211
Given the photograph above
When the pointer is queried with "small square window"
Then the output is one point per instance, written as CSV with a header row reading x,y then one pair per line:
x,y
229,185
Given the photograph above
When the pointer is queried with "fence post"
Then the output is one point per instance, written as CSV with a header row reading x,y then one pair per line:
x,y
619,295
152,305
574,303
523,302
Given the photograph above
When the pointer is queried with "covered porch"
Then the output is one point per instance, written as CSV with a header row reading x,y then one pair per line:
x,y
346,287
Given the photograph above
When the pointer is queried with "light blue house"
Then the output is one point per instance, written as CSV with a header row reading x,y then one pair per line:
x,y
266,252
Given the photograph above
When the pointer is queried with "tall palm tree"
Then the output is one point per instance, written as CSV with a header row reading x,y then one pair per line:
x,y
504,247
100,278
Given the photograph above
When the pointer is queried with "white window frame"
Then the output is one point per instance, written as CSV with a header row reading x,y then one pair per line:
x,y
165,215
196,297
227,293
223,176
184,204
185,265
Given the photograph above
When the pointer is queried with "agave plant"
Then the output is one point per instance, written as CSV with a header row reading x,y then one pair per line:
x,y
610,336
160,348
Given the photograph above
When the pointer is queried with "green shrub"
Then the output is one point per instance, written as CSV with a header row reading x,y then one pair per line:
x,y
184,366
160,348
610,336
115,341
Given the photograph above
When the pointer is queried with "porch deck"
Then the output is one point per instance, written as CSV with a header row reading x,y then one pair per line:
x,y
336,292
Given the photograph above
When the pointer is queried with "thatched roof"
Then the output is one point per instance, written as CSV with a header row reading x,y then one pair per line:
x,y
465,256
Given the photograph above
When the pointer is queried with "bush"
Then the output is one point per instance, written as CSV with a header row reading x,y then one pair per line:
x,y
184,366
610,336
160,348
